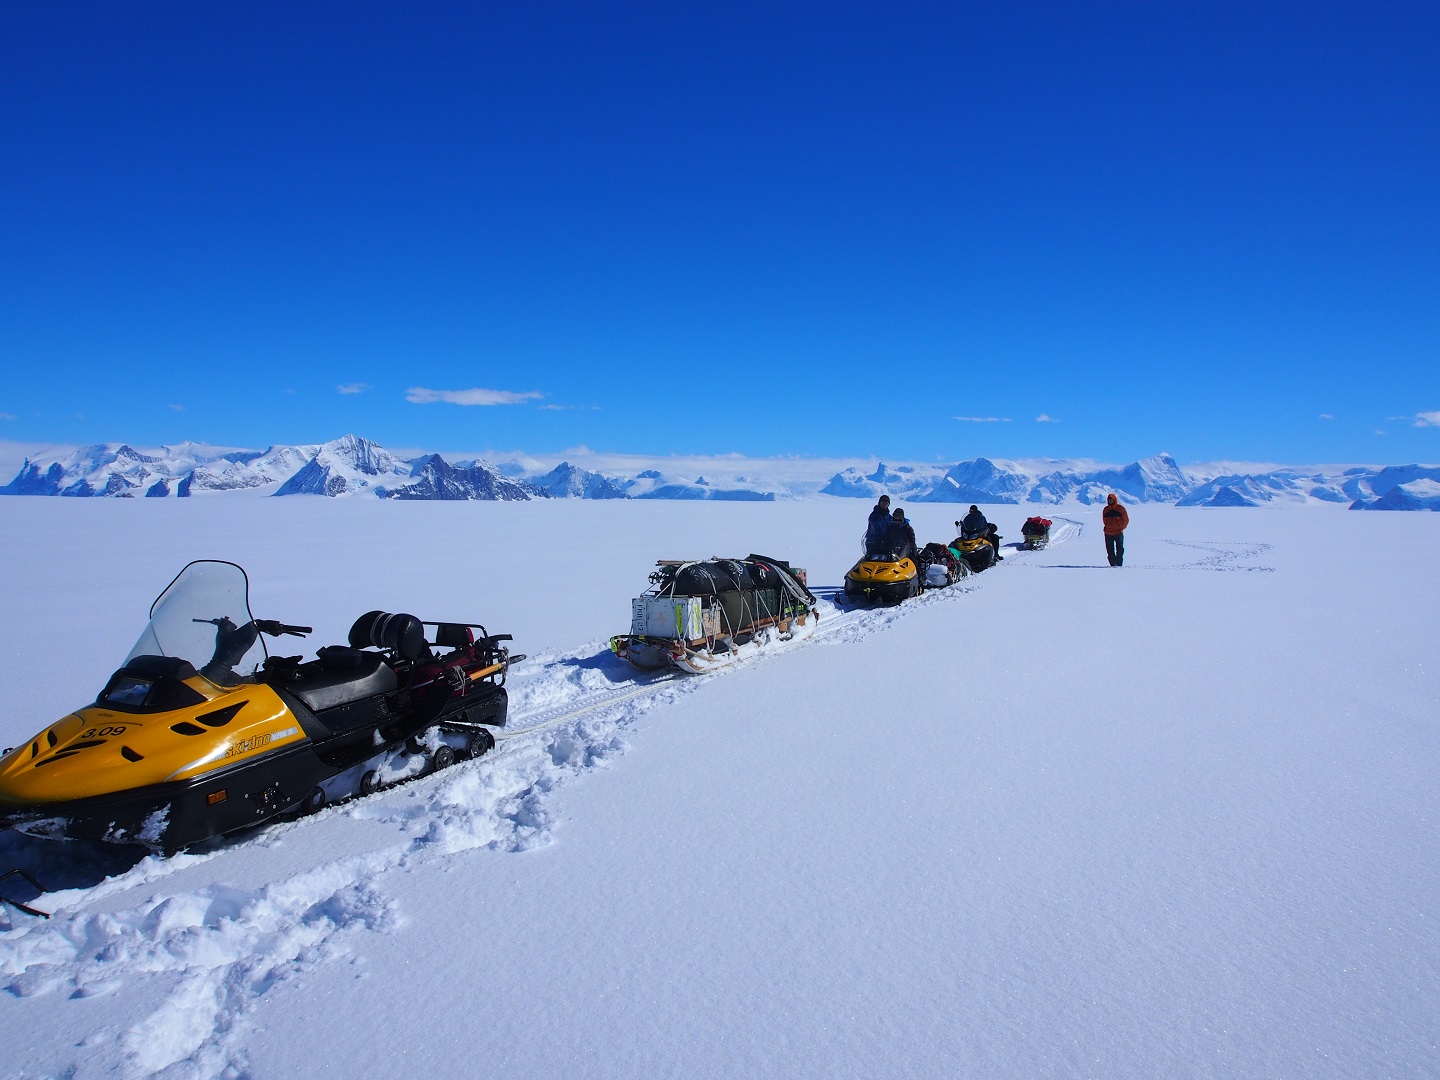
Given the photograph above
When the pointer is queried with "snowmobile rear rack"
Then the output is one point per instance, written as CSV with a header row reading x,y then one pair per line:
x,y
26,908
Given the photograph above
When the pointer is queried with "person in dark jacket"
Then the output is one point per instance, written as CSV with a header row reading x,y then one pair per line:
x,y
900,537
1115,518
974,523
877,526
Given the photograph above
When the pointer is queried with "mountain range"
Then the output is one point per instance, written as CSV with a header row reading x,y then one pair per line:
x,y
355,466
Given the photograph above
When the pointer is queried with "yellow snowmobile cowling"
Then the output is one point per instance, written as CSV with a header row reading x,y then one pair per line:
x,y
978,552
887,579
99,750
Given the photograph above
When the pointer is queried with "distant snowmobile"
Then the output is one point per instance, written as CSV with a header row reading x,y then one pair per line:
x,y
700,616
199,733
1036,532
979,548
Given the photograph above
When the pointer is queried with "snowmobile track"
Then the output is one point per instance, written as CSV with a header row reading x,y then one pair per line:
x,y
1224,557
219,949
547,718
835,624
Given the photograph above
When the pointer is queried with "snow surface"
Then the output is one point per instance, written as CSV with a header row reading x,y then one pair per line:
x,y
1176,819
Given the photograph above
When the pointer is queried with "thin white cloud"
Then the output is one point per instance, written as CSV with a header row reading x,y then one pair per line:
x,y
7,416
982,419
552,407
1046,418
420,395
1379,432
1427,419
176,408
352,388
1326,416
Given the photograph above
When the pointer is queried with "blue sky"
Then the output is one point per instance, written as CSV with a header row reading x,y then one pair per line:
x,y
773,229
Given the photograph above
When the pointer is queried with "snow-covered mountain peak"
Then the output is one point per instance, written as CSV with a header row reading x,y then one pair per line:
x,y
349,465
435,479
567,481
353,465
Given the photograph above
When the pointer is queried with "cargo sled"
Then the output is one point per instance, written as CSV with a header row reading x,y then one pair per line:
x,y
200,733
701,616
940,566
1036,532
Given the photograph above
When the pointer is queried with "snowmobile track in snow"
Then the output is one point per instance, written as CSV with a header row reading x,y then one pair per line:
x,y
1225,557
217,950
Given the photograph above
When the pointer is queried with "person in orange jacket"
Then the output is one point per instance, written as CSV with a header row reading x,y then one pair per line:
x,y
1115,518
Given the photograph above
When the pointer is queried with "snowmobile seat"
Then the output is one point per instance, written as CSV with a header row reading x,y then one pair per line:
x,y
324,685
340,658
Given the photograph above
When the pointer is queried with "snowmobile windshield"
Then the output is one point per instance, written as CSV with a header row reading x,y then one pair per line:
x,y
204,617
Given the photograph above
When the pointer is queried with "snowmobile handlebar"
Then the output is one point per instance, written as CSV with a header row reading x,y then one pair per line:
x,y
264,626
275,629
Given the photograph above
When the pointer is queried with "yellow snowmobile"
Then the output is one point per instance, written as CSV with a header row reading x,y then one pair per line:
x,y
886,577
978,549
199,733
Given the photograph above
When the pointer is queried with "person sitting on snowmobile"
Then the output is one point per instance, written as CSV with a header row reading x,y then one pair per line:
x,y
973,526
974,523
900,537
877,526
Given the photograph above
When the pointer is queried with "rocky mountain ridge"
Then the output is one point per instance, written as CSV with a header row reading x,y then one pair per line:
x,y
355,466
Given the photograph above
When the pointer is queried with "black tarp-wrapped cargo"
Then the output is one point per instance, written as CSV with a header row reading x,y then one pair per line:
x,y
712,578
749,591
